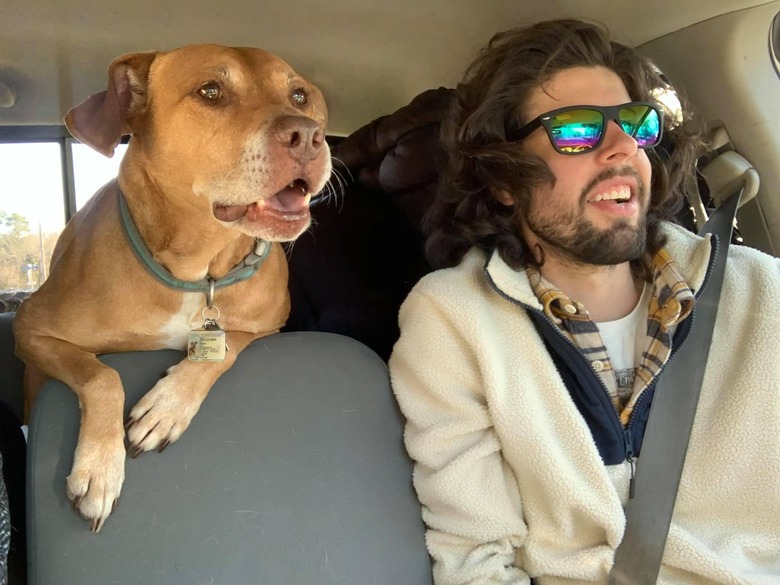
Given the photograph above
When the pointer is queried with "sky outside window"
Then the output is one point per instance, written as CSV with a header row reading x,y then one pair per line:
x,y
32,204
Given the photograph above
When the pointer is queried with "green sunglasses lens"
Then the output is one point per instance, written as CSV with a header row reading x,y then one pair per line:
x,y
576,130
641,122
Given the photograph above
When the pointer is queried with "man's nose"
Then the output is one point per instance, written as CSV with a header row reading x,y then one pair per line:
x,y
618,144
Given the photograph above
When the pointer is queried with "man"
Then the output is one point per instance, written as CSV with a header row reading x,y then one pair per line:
x,y
527,366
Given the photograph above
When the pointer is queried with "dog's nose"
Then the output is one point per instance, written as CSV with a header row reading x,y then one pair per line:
x,y
303,136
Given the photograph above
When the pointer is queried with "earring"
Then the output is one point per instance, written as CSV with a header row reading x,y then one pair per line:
x,y
539,255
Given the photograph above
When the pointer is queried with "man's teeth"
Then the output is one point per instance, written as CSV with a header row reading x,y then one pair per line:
x,y
621,194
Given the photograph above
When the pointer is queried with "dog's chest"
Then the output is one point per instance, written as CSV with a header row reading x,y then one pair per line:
x,y
173,333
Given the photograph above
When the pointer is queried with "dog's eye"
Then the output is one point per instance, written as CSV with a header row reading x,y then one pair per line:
x,y
210,91
300,97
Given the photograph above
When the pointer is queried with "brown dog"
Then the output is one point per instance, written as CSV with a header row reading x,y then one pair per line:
x,y
228,145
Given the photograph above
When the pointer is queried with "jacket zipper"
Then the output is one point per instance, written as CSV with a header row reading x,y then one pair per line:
x,y
628,431
627,442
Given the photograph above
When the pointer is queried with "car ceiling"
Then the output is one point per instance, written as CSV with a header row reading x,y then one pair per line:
x,y
369,57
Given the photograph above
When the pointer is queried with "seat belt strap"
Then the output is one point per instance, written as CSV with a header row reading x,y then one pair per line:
x,y
649,512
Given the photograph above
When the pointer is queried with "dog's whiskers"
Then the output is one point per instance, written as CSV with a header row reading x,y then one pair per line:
x,y
342,184
288,248
341,162
334,189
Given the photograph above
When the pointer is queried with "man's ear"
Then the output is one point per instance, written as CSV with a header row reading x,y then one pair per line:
x,y
103,118
504,197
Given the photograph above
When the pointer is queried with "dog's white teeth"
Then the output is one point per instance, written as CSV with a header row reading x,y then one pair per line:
x,y
298,184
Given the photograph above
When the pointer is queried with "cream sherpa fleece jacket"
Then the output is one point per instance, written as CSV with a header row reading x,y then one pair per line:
x,y
511,483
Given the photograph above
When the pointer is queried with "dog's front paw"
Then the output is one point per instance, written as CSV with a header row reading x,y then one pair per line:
x,y
95,481
160,417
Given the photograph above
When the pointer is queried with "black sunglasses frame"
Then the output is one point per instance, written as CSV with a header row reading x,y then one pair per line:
x,y
514,134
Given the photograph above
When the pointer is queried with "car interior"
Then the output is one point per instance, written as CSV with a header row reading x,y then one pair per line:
x,y
294,470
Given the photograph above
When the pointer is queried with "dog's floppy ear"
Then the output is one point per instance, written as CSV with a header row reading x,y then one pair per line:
x,y
102,119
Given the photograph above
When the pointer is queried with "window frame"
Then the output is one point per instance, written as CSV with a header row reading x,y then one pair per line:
x,y
774,42
53,134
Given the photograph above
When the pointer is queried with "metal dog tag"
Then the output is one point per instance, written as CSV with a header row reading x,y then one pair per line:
x,y
207,344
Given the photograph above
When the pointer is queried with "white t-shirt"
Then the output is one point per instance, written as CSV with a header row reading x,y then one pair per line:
x,y
625,341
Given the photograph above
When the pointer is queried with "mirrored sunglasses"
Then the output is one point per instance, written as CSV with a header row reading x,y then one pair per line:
x,y
580,129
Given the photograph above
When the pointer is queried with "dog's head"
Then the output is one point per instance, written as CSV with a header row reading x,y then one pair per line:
x,y
235,130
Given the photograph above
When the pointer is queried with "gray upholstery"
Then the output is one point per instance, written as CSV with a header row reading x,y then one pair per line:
x,y
293,472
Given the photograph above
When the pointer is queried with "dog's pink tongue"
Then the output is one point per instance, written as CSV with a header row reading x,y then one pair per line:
x,y
288,200
230,212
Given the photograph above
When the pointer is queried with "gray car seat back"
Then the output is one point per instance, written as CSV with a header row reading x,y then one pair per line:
x,y
293,472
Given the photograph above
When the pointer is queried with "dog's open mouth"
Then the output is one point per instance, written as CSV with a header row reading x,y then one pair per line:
x,y
290,203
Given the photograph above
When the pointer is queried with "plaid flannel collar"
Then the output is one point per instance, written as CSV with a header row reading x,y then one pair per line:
x,y
671,301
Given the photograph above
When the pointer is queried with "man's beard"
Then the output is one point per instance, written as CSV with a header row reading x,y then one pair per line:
x,y
584,243
571,236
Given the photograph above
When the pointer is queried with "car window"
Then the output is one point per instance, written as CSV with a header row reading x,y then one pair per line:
x,y
34,207
32,212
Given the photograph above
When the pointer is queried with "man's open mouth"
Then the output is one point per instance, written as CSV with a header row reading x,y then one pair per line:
x,y
291,202
618,195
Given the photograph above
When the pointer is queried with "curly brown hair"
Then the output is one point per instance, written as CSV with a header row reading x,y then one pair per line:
x,y
482,163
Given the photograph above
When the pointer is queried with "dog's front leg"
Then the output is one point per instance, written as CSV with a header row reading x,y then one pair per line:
x,y
98,471
165,412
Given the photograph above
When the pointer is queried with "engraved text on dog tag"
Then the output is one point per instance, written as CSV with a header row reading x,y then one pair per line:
x,y
207,344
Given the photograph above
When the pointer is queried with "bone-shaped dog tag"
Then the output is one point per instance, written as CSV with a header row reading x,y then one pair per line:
x,y
207,344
